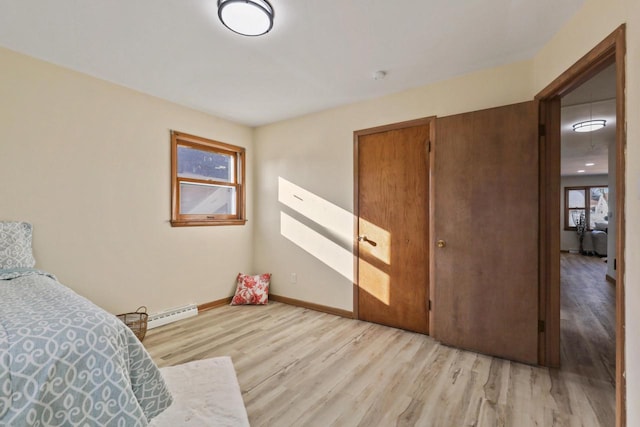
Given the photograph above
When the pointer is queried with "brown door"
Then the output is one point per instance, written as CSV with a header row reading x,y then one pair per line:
x,y
485,293
393,227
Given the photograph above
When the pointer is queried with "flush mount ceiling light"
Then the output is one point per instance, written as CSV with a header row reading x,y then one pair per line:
x,y
246,17
589,125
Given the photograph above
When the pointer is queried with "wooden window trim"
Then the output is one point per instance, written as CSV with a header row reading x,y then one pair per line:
x,y
567,208
199,143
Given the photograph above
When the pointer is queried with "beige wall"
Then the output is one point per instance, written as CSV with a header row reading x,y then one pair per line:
x,y
315,152
87,162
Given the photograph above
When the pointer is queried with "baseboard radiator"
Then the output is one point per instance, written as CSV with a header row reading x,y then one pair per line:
x,y
171,315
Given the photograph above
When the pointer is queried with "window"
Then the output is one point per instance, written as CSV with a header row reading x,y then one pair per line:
x,y
207,182
590,202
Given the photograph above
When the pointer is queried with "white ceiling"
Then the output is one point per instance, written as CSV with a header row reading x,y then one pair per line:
x,y
320,54
594,99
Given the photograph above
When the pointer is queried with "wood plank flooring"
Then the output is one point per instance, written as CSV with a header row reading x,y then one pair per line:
x,y
298,367
587,331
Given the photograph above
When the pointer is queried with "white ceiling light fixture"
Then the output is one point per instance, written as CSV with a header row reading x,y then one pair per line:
x,y
589,164
581,171
589,125
246,17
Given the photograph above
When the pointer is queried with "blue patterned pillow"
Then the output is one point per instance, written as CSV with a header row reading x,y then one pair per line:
x,y
15,245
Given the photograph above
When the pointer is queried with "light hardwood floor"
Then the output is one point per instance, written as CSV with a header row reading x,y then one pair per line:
x,y
298,367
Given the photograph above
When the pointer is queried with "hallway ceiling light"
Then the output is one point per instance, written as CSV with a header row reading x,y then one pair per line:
x,y
246,17
589,164
589,125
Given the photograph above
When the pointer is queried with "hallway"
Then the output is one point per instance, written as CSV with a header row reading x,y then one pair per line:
x,y
588,330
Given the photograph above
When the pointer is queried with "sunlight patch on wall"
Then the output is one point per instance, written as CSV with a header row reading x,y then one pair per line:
x,y
332,239
317,209
330,253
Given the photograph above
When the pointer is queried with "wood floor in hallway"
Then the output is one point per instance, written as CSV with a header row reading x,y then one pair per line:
x,y
588,330
298,367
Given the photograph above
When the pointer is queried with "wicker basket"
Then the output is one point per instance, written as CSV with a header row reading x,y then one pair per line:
x,y
137,321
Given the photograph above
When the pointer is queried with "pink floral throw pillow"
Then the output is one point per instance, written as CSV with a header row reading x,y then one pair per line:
x,y
252,289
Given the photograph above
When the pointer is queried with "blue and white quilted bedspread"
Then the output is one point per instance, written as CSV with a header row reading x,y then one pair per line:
x,y
66,362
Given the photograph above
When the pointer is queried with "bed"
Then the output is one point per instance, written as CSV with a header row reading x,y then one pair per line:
x,y
65,361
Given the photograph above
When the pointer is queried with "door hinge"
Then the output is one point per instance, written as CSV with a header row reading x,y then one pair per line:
x,y
615,263
428,146
429,305
540,325
542,130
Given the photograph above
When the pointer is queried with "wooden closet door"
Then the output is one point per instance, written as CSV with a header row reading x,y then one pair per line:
x,y
393,227
485,291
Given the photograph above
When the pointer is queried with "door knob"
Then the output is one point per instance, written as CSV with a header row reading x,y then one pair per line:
x,y
364,238
441,243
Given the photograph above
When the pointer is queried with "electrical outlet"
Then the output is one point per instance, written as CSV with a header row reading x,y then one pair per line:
x,y
294,278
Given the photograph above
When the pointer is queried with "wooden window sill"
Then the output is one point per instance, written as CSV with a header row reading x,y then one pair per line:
x,y
197,223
